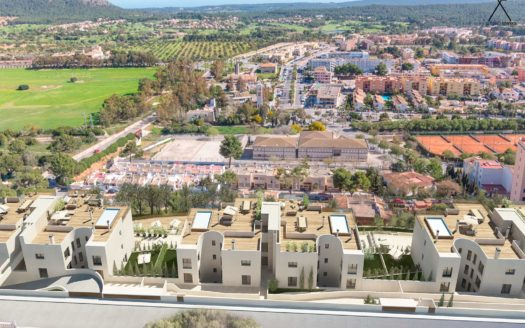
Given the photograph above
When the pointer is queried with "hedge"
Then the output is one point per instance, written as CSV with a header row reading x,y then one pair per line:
x,y
87,162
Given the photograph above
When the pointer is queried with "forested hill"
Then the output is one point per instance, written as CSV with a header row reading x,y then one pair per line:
x,y
58,10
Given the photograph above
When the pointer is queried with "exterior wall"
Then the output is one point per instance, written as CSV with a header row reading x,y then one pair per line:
x,y
432,263
306,261
210,269
267,153
352,270
188,252
490,279
330,261
453,87
517,193
233,268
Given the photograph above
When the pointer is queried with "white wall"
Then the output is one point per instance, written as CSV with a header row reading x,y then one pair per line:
x,y
330,252
306,261
232,270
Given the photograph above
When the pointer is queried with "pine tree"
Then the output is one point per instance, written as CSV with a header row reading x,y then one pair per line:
x,y
451,301
311,279
174,272
301,278
441,300
115,270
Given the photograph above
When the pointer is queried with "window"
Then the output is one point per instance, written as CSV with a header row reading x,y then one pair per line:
x,y
292,264
67,253
80,257
352,268
469,255
213,242
292,281
97,260
326,245
72,245
466,269
264,247
505,288
214,270
475,258
42,272
471,273
39,256
325,274
188,278
478,282
444,287
246,262
460,250
87,238
326,260
78,242
350,283
74,260
463,283
246,280
481,267
186,263
510,271
447,272
214,256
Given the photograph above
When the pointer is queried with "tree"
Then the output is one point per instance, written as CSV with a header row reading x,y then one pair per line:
x,y
296,128
301,279
62,166
435,168
317,126
17,146
23,87
407,66
342,179
451,300
441,300
204,319
217,68
228,178
381,69
448,154
73,79
311,279
360,181
447,188
65,143
231,148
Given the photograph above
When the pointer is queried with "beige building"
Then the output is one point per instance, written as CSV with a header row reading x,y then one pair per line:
x,y
322,75
517,191
453,87
314,145
60,236
313,248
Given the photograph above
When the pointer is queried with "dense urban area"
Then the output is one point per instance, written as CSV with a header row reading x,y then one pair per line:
x,y
349,156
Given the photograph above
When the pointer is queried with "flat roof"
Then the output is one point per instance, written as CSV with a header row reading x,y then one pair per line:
x,y
201,220
106,218
438,226
273,209
338,224
483,231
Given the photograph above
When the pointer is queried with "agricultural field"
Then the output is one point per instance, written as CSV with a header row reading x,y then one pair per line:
x,y
53,101
196,50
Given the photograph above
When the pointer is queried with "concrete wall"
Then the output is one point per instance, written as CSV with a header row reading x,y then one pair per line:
x,y
210,269
330,252
305,261
233,268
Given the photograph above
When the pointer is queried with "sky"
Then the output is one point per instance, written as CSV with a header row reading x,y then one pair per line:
x,y
194,3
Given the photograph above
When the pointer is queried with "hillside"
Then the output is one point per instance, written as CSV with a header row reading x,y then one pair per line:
x,y
58,10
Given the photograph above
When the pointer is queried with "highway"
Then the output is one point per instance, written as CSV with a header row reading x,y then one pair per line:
x,y
80,313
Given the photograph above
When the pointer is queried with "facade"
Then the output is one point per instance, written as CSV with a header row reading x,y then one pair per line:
x,y
521,74
314,145
449,87
517,193
459,70
408,183
322,75
359,58
326,96
268,68
488,174
299,253
392,84
61,235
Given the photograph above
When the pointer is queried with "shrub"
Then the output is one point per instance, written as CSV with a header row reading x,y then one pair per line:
x,y
22,87
273,285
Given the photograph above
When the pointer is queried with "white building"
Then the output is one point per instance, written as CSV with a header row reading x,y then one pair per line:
x,y
488,174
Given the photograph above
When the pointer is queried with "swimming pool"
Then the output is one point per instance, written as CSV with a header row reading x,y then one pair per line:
x,y
387,98
107,217
438,225
201,221
338,223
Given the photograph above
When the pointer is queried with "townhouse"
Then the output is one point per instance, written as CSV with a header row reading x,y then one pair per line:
x,y
62,234
300,249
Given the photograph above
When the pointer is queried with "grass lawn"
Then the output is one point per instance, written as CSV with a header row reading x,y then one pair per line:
x,y
241,129
53,101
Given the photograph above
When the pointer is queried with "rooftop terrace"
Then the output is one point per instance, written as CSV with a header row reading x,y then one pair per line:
x,y
480,233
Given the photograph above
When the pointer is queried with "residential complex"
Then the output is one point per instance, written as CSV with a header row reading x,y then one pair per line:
x,y
360,59
326,96
313,145
51,236
454,87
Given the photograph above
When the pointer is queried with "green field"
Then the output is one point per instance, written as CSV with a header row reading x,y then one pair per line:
x,y
53,101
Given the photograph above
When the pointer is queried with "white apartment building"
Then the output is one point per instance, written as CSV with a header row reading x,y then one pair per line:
x,y
472,251
231,249
488,174
59,235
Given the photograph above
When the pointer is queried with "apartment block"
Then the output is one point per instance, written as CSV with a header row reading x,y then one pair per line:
x,y
322,75
64,234
298,249
470,251
517,193
392,84
488,174
326,95
449,87
521,74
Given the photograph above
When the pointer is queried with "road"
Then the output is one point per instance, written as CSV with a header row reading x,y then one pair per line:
x,y
105,143
80,313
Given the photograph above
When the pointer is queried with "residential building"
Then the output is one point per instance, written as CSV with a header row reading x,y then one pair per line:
x,y
322,75
408,183
358,99
459,70
379,102
359,58
449,57
418,101
63,235
400,103
489,58
378,84
326,96
449,87
517,193
521,74
470,251
489,175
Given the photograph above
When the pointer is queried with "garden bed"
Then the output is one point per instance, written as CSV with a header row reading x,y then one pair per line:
x,y
163,263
